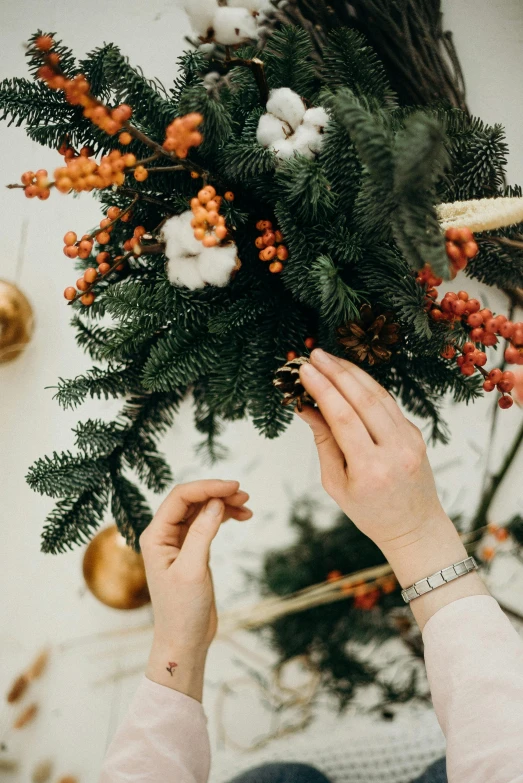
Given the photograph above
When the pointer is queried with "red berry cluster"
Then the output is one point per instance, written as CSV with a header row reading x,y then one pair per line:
x,y
270,246
366,594
460,246
484,327
427,277
309,343
78,91
182,134
209,226
36,184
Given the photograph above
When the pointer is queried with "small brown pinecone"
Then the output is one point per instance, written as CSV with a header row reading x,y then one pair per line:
x,y
369,338
287,380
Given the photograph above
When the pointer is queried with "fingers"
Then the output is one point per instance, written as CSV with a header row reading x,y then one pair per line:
x,y
347,428
374,387
194,554
367,400
177,503
332,461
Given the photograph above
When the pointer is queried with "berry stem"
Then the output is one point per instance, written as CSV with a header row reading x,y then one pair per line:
x,y
494,482
184,164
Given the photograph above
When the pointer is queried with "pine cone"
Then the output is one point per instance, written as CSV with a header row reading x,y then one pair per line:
x,y
287,380
368,338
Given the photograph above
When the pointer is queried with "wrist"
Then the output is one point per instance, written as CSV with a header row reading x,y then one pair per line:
x,y
177,667
434,546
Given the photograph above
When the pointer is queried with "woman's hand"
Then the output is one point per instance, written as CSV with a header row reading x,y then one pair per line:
x,y
373,460
176,549
374,465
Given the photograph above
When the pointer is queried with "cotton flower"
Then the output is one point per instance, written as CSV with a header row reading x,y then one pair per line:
x,y
189,263
201,15
287,128
286,105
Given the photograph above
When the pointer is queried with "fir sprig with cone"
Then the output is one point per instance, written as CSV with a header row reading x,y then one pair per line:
x,y
358,219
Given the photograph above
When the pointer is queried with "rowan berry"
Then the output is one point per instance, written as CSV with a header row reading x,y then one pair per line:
x,y
209,240
507,381
194,175
475,319
228,195
477,334
512,354
448,352
473,305
70,293
291,355
140,173
469,348
44,43
71,251
221,232
267,254
90,275
259,243
489,339
310,342
495,375
70,238
104,268
262,225
488,385
505,401
103,237
282,253
276,267
81,284
87,299
125,138
480,358
269,238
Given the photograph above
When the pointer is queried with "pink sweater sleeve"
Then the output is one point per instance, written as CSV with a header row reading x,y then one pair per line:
x,y
474,660
163,738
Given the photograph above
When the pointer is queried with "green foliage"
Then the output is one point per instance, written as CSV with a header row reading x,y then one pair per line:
x,y
333,634
358,220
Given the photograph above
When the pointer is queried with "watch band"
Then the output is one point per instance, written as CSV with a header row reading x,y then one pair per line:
x,y
439,579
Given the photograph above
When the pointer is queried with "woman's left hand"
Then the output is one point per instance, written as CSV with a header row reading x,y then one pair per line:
x,y
176,548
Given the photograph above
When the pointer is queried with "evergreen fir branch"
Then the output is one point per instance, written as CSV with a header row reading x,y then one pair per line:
x,y
97,382
152,108
91,338
419,400
216,126
190,66
151,414
74,519
348,61
288,62
305,189
65,475
127,340
98,437
32,103
129,509
237,315
179,359
338,303
207,422
141,454
420,159
240,161
496,264
369,134
341,164
226,389
93,67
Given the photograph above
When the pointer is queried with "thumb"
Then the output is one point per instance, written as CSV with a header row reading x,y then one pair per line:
x,y
194,555
332,461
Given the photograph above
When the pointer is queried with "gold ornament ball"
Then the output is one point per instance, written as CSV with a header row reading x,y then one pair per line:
x,y
115,573
16,321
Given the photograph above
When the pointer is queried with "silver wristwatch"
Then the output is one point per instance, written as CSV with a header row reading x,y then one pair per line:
x,y
439,579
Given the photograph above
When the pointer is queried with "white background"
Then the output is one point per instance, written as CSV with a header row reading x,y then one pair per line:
x,y
42,598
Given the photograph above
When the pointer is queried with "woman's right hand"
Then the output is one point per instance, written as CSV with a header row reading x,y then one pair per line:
x,y
373,460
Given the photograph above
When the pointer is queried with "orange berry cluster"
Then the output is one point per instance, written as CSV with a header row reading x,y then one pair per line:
x,y
270,246
460,246
82,173
182,134
83,248
36,184
309,343
427,277
134,242
77,91
366,594
495,536
209,226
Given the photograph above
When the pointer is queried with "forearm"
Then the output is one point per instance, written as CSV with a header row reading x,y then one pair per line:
x,y
177,668
435,546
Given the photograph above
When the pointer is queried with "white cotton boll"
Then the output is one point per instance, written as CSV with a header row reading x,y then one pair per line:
x,y
216,264
283,149
287,105
184,272
201,14
233,25
250,5
307,141
179,237
270,129
316,117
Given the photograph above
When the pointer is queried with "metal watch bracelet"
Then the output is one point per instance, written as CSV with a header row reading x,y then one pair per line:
x,y
439,579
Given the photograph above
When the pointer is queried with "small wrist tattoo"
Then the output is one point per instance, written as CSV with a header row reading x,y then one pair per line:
x,y
172,666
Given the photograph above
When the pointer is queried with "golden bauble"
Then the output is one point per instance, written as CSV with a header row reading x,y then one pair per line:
x,y
16,321
115,573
